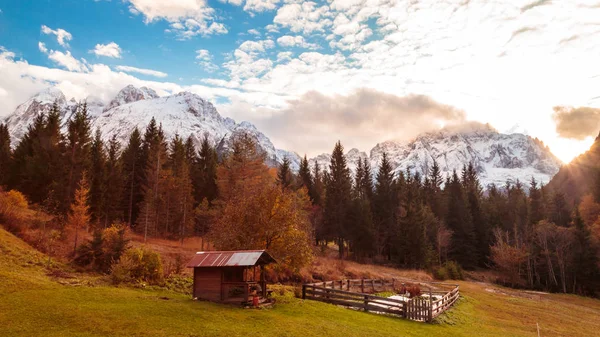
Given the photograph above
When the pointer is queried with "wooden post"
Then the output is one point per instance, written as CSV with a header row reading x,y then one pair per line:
x,y
362,285
430,318
366,302
348,281
373,285
304,291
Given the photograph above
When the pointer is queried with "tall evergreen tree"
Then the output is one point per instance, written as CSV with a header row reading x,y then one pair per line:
x,y
204,175
133,164
337,202
586,266
182,200
5,154
458,219
97,178
77,151
113,184
284,173
306,179
385,203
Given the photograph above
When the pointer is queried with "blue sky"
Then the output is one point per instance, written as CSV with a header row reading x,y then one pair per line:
x,y
309,73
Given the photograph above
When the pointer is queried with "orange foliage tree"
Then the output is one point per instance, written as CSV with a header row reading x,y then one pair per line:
x,y
255,213
79,217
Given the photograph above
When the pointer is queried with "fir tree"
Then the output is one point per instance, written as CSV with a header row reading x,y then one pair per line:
x,y
384,205
585,263
133,169
5,154
204,175
284,173
458,219
306,179
77,151
337,201
97,177
113,184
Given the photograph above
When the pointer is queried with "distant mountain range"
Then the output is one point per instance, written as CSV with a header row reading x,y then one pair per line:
x,y
498,157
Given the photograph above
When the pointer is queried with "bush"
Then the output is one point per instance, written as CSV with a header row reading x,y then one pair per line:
x,y
105,248
449,270
138,264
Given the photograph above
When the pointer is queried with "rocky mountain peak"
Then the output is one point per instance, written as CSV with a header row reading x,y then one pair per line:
x,y
131,94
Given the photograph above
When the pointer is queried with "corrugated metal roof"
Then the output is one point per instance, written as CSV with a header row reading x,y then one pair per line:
x,y
239,258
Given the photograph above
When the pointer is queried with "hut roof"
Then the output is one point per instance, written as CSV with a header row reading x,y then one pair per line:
x,y
231,258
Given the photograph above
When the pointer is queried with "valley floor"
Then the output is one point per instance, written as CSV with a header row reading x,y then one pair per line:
x,y
32,303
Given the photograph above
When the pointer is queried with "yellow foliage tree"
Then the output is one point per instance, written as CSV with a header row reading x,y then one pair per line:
x,y
79,217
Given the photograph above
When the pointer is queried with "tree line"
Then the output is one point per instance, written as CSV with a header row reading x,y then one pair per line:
x,y
170,189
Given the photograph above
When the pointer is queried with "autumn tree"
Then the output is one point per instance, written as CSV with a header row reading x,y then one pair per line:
x,y
256,213
79,216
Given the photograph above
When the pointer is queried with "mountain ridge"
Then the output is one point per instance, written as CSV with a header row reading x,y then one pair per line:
x,y
497,157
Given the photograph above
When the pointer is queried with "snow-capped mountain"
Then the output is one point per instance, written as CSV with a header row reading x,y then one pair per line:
x,y
497,157
185,114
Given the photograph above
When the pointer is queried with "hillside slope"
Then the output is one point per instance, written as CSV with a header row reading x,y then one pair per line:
x,y
34,304
580,176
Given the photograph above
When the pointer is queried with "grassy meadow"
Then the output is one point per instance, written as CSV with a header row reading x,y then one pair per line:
x,y
34,302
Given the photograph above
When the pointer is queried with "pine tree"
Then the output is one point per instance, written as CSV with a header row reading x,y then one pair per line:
x,y
480,225
586,265
77,151
560,213
458,219
155,150
306,179
24,171
79,216
385,203
318,185
5,154
133,169
113,184
284,173
183,199
337,202
204,173
97,177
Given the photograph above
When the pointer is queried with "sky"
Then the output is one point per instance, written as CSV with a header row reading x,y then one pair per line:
x,y
310,73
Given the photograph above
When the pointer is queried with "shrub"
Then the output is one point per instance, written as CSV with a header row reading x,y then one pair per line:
x,y
105,248
138,264
449,270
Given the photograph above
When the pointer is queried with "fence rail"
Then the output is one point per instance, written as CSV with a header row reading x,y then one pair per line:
x,y
358,294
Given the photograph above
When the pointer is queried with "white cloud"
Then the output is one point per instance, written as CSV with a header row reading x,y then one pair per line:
x,y
295,41
256,46
42,47
253,32
67,60
260,5
205,60
142,71
306,17
62,36
284,56
188,18
109,50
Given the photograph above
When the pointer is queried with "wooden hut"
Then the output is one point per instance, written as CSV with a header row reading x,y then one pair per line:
x,y
230,276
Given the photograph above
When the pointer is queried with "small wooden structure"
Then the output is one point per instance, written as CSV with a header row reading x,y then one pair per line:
x,y
230,276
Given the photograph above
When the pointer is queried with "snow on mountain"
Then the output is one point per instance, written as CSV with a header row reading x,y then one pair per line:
x,y
42,102
131,94
185,114
497,157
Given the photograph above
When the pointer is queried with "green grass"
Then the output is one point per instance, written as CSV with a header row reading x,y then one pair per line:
x,y
33,304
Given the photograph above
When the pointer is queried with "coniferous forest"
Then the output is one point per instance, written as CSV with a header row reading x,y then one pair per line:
x,y
532,235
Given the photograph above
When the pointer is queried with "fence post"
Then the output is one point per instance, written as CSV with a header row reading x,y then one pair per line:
x,y
348,281
430,318
366,302
304,291
362,285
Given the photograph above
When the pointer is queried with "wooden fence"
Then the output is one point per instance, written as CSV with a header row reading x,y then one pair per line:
x,y
358,294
